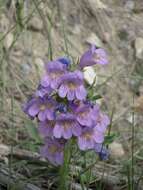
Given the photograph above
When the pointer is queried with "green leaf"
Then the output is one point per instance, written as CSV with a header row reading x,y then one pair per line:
x,y
32,131
96,97
110,138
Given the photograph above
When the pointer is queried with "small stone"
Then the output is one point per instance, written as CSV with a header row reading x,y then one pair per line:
x,y
90,75
94,39
139,48
8,40
116,150
35,24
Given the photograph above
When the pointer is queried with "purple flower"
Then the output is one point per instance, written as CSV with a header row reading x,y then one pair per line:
x,y
84,115
54,71
44,108
89,138
53,151
93,56
72,86
26,106
66,126
64,60
102,121
42,91
46,128
101,151
61,108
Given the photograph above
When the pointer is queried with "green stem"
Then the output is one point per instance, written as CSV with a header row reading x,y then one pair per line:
x,y
64,170
132,147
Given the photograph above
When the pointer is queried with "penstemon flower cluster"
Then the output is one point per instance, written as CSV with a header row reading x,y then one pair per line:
x,y
63,110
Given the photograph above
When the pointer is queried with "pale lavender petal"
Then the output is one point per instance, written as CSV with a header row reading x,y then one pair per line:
x,y
98,147
59,158
49,114
55,83
79,74
63,91
45,82
101,56
90,144
45,130
76,130
82,143
67,134
98,136
101,127
81,93
85,121
42,116
33,110
58,130
70,95
106,120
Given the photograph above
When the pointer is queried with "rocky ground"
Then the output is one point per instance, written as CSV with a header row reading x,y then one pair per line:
x,y
29,30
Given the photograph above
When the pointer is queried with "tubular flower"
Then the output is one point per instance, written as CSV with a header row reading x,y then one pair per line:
x,y
66,126
42,91
84,115
64,108
54,71
93,56
72,86
43,108
53,151
89,137
46,128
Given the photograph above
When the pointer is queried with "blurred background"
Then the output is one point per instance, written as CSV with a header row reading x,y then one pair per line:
x,y
35,31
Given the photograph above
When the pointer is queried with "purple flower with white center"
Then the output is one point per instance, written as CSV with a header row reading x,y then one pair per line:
x,y
72,86
84,115
65,60
42,91
66,126
93,56
44,108
46,128
53,151
54,71
89,138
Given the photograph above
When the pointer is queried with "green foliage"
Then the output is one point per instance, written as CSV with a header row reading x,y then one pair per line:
x,y
33,131
110,138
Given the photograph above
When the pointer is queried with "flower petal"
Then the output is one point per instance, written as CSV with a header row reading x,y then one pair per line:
x,y
71,95
76,129
58,130
33,110
42,116
67,134
81,93
62,91
45,82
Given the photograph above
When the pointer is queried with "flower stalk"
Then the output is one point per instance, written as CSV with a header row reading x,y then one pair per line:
x,y
64,169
